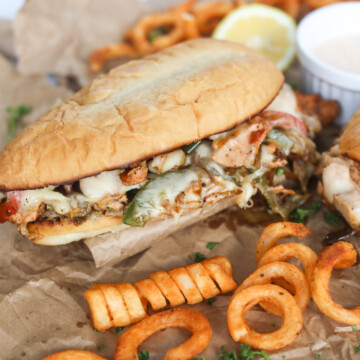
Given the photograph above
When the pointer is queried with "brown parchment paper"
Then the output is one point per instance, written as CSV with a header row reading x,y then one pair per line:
x,y
42,309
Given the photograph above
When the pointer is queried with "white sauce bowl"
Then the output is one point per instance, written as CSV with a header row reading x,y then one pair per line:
x,y
320,26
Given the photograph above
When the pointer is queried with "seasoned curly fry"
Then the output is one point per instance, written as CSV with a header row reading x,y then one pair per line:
x,y
264,275
123,304
74,355
314,4
191,320
243,300
208,15
284,252
344,254
292,7
274,232
109,52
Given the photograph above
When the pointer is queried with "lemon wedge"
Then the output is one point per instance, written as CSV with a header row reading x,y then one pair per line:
x,y
266,29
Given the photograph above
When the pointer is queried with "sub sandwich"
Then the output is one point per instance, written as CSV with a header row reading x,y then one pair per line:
x,y
340,183
156,138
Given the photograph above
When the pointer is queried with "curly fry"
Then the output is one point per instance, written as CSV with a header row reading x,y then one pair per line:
x,y
292,7
208,15
284,252
274,232
243,300
339,253
109,52
315,4
123,304
264,275
74,355
191,320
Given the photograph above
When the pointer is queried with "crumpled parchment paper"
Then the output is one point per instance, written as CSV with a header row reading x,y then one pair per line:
x,y
42,308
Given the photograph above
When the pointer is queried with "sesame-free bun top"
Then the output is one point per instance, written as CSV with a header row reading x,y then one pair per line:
x,y
350,139
140,109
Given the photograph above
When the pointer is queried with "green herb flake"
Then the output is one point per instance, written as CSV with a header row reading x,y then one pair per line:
x,y
300,215
280,171
118,329
283,356
212,245
101,347
211,301
198,257
332,218
96,330
246,353
14,115
143,355
356,349
273,324
318,357
354,328
202,358
155,33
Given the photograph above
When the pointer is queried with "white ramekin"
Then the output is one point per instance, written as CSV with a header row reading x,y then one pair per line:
x,y
319,26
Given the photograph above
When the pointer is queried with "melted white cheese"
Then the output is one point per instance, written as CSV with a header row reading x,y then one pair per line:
x,y
107,183
285,101
32,199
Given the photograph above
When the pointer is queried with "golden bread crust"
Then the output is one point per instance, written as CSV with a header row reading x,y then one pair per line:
x,y
350,139
141,109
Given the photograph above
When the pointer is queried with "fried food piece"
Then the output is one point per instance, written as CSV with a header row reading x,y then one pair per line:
x,y
245,299
191,320
284,252
294,276
123,304
134,176
74,355
315,4
315,105
342,254
109,52
274,232
292,7
208,15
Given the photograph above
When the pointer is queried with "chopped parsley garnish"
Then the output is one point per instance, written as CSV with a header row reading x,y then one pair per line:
x,y
101,347
318,357
332,218
283,356
96,330
155,33
14,116
202,358
273,324
356,349
143,355
246,353
211,301
280,171
118,329
354,328
300,215
212,245
198,256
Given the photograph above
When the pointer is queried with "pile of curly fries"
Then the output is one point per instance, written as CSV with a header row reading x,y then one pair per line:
x,y
189,20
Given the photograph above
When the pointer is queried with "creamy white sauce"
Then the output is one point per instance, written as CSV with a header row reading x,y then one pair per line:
x,y
342,52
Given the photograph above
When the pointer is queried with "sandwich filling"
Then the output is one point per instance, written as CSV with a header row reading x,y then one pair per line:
x,y
272,154
341,185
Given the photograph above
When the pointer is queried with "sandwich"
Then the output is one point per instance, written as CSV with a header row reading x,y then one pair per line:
x,y
186,128
340,183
